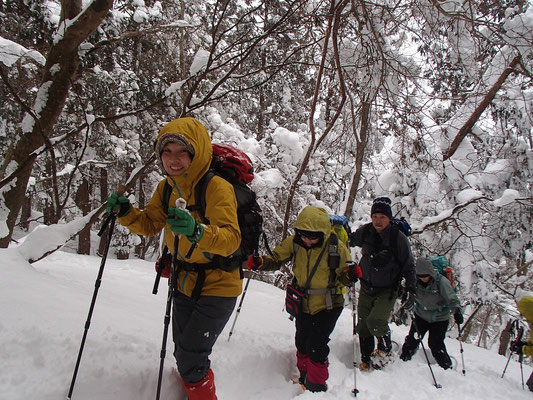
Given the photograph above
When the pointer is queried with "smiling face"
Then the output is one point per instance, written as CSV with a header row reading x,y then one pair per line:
x,y
380,221
175,158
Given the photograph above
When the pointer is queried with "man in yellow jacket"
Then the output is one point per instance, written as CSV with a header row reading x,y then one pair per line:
x,y
525,306
321,281
207,288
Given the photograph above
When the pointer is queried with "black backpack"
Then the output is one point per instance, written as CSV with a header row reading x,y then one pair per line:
x,y
235,167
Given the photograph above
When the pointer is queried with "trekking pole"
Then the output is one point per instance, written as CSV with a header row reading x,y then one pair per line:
x,y
355,347
256,260
239,306
425,353
507,363
515,330
111,218
461,347
520,359
180,203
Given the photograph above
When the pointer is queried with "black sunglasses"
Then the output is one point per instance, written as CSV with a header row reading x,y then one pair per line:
x,y
424,276
309,235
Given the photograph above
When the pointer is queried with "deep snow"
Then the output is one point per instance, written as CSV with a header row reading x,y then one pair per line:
x,y
44,307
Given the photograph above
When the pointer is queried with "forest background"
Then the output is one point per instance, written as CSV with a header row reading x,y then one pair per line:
x,y
336,102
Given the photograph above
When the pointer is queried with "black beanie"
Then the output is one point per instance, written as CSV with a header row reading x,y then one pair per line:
x,y
382,205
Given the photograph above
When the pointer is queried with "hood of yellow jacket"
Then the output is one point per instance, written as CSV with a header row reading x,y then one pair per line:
x,y
196,133
313,219
525,306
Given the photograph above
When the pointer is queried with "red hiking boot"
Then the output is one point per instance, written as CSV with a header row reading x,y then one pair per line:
x,y
203,390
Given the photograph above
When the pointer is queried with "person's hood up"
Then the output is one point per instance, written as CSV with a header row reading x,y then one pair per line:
x,y
196,134
425,267
525,306
313,219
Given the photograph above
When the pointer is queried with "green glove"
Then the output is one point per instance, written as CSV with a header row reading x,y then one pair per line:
x,y
119,204
183,223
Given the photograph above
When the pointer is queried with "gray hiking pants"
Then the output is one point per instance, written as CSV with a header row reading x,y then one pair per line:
x,y
196,325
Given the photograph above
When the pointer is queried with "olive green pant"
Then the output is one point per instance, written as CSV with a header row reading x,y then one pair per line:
x,y
373,312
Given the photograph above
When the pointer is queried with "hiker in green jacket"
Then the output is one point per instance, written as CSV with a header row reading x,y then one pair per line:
x,y
434,301
525,306
321,281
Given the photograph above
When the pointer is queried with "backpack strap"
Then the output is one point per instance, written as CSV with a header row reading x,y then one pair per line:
x,y
308,282
200,197
167,192
334,259
393,240
333,264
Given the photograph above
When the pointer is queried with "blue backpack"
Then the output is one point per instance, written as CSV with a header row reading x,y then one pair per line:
x,y
402,224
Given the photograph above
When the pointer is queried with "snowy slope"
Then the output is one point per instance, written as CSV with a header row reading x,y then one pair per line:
x,y
44,306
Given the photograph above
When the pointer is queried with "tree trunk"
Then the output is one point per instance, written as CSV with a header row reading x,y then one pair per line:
x,y
483,105
60,71
505,338
361,141
26,213
83,203
140,249
104,193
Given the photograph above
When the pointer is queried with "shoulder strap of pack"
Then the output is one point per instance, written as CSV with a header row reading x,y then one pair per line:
x,y
310,277
167,192
393,241
334,258
200,197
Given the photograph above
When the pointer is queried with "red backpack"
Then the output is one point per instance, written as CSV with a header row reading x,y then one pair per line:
x,y
232,163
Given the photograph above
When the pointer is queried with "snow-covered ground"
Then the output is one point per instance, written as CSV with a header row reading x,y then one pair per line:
x,y
44,306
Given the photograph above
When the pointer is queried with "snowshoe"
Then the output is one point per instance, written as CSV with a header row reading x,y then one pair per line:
x,y
363,366
296,381
379,359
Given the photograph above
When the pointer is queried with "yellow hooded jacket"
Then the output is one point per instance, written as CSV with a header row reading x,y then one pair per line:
x,y
525,306
317,220
222,236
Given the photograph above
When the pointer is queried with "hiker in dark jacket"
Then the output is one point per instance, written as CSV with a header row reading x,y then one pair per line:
x,y
434,301
206,292
323,302
386,258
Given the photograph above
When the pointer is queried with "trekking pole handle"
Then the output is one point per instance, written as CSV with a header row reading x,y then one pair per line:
x,y
181,203
120,191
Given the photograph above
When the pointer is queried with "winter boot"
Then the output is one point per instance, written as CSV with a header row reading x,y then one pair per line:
x,y
443,359
366,345
301,363
203,390
409,348
385,343
317,375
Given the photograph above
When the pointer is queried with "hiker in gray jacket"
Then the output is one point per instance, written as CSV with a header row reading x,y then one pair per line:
x,y
434,301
